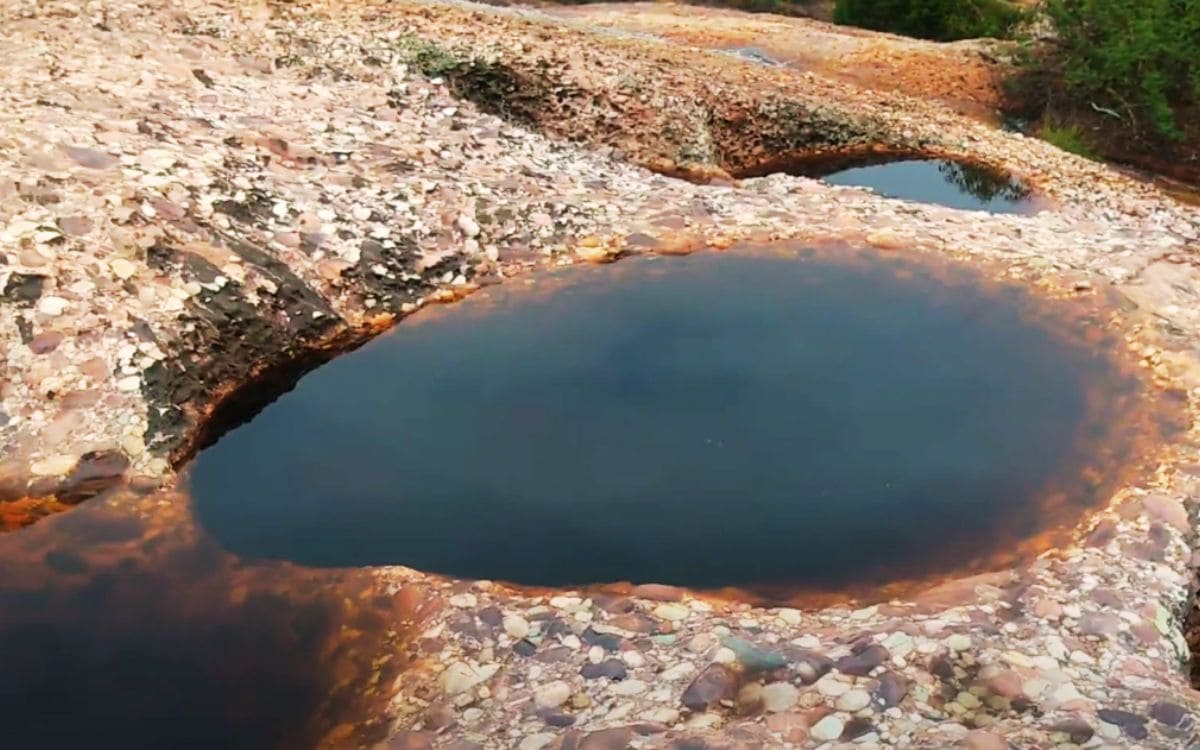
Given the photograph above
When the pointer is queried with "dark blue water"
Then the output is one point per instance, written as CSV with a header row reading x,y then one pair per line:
x,y
945,183
708,421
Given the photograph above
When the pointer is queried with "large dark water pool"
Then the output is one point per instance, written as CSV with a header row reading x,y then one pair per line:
x,y
717,420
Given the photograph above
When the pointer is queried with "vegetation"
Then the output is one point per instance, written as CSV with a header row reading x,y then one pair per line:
x,y
804,8
984,183
941,20
1139,59
1067,137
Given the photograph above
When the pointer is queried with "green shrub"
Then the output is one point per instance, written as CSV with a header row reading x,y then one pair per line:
x,y
1067,137
1140,58
941,20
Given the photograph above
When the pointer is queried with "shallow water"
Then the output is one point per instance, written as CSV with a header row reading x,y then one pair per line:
x,y
715,420
941,182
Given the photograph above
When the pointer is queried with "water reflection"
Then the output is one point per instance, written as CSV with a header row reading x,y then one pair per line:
x,y
939,181
120,627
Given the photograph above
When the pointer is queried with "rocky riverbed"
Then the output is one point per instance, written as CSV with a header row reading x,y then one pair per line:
x,y
200,199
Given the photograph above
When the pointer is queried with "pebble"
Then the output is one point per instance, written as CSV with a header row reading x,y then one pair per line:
x,y
612,669
701,643
468,226
861,663
552,694
788,616
516,626
779,696
52,306
892,689
853,701
462,600
673,611
831,686
627,687
958,642
122,269
536,741
677,672
752,657
715,684
460,676
828,729
1169,510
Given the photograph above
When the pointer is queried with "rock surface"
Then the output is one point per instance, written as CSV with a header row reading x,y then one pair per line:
x,y
197,193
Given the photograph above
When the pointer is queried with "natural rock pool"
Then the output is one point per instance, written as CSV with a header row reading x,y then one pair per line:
x,y
941,182
794,420
920,179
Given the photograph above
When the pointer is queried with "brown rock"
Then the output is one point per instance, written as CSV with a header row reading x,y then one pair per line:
x,y
613,669
616,738
1100,624
1167,509
46,341
715,684
860,664
1078,730
892,689
1104,533
809,666
856,727
1131,724
490,616
95,368
634,622
439,716
1107,598
1006,684
75,226
91,158
941,666
1168,713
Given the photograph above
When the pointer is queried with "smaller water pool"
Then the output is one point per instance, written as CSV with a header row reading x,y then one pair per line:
x,y
941,182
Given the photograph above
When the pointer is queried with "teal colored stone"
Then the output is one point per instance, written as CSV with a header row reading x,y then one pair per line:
x,y
751,657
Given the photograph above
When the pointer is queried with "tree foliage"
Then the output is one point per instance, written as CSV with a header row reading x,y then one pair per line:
x,y
1140,58
941,20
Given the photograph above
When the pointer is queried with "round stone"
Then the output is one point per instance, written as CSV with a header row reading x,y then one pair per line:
x,y
552,694
853,700
779,696
828,729
831,686
52,306
516,626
